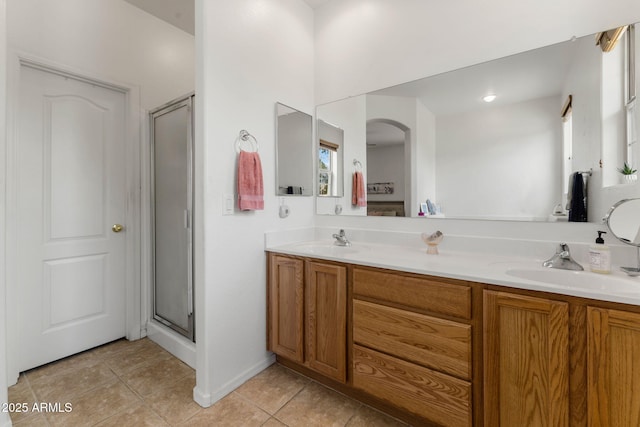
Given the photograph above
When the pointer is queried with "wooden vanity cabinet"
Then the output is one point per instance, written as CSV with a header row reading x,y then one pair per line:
x,y
326,319
526,361
285,307
412,344
613,354
307,314
445,352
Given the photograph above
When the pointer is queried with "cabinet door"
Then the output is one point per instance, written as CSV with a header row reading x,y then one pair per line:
x,y
613,358
286,305
326,319
526,365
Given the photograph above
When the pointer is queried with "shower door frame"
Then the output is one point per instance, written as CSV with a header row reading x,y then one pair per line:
x,y
175,104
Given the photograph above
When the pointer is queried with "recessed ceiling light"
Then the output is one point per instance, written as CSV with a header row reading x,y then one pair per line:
x,y
489,98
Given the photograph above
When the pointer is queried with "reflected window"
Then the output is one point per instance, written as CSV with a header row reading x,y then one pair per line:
x,y
327,161
618,102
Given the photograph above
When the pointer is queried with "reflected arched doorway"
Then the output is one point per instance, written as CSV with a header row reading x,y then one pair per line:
x,y
388,168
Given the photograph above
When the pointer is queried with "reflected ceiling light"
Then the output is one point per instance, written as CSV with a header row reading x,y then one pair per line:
x,y
489,98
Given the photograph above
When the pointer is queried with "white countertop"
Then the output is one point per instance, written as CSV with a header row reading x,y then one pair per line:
x,y
494,269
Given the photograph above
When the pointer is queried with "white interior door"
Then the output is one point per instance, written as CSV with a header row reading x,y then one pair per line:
x,y
71,190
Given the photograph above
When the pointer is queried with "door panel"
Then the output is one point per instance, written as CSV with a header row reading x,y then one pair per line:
x,y
526,360
73,131
71,188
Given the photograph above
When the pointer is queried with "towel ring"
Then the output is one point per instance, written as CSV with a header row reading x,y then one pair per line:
x,y
357,165
245,136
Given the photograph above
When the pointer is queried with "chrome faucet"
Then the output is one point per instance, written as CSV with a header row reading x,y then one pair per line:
x,y
341,239
562,259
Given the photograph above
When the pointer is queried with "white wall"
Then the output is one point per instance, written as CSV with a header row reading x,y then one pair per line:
x,y
425,155
385,163
250,55
613,113
110,39
4,416
365,45
502,163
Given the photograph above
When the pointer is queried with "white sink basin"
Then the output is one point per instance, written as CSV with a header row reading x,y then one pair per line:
x,y
578,280
329,249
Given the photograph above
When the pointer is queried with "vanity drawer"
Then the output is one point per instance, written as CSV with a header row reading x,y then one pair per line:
x,y
432,395
437,295
434,343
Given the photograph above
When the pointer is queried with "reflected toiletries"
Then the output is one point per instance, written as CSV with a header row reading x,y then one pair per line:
x,y
600,255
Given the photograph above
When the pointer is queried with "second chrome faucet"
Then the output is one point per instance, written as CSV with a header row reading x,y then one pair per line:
x,y
341,239
562,259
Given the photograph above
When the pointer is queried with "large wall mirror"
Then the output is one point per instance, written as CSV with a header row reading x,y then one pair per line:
x,y
294,139
509,139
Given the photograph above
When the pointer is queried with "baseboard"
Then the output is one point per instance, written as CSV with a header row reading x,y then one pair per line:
x,y
207,399
174,343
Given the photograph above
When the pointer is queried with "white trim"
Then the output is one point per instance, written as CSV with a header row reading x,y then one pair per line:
x,y
205,400
173,342
134,221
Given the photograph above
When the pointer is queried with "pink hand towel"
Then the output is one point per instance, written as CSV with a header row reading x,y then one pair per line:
x,y
358,193
250,187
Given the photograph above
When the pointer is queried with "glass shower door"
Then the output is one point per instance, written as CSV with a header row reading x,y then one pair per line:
x,y
171,127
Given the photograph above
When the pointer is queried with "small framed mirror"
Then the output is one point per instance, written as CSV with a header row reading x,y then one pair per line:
x,y
294,153
330,160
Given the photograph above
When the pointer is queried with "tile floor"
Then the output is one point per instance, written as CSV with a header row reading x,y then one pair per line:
x,y
140,384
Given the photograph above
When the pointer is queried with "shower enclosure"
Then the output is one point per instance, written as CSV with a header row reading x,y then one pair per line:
x,y
172,214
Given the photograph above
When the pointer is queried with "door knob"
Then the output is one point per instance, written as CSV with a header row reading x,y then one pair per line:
x,y
117,228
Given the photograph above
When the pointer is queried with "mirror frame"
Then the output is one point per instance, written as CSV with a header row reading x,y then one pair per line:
x,y
607,219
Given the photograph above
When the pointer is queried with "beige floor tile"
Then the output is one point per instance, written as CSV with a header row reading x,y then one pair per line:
x,y
273,388
272,422
139,416
62,366
318,406
123,346
231,411
128,360
35,420
157,376
368,417
175,404
20,395
61,387
96,405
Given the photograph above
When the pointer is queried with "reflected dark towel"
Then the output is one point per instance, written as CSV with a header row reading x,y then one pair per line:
x,y
578,204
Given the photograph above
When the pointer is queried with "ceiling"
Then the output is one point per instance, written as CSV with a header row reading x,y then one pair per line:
x,y
180,13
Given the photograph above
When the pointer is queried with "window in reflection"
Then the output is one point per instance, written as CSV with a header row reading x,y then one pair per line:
x,y
327,161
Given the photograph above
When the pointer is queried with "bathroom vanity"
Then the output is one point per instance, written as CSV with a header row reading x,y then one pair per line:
x,y
434,342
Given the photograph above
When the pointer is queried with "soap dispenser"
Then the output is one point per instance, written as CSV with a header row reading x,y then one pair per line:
x,y
600,256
